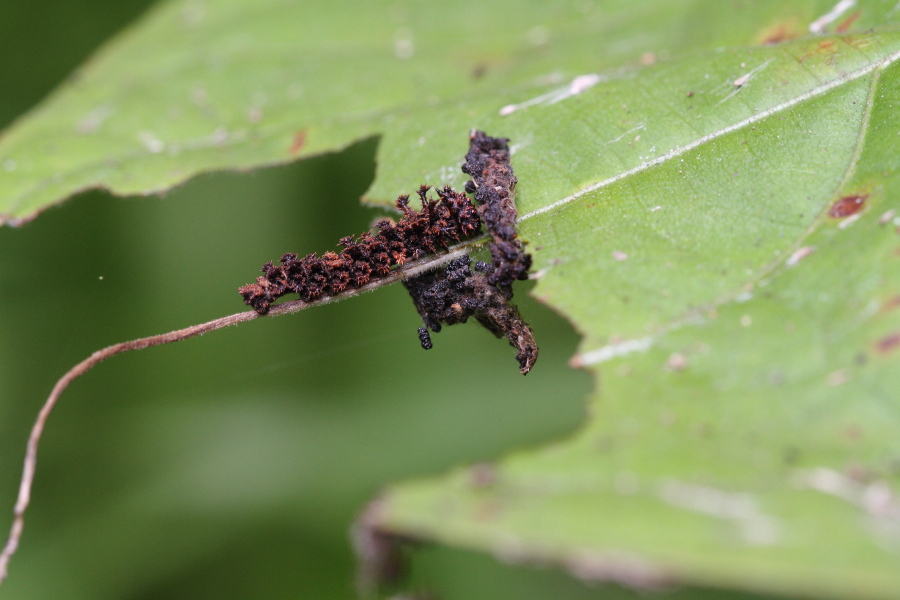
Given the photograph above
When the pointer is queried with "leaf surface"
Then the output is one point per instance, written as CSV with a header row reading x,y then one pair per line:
x,y
202,85
739,296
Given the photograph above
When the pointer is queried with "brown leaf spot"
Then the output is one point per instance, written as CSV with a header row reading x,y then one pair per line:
x,y
783,30
824,45
779,32
891,303
482,475
848,205
299,141
888,343
857,472
847,23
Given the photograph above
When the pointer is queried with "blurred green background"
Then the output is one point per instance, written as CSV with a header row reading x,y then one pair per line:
x,y
232,466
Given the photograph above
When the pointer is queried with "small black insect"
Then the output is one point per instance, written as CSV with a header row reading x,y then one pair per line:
x,y
425,338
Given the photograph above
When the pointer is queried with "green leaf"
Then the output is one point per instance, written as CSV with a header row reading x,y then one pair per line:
x,y
743,334
235,84
678,177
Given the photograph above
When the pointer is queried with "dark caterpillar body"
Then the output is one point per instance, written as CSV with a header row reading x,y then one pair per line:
x,y
494,182
449,295
454,294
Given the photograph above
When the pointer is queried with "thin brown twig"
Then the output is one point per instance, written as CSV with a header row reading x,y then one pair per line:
x,y
28,471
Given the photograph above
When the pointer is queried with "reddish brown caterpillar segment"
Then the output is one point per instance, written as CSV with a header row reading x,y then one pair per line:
x,y
450,218
454,294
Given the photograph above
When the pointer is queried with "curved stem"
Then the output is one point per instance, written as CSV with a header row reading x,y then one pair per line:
x,y
28,471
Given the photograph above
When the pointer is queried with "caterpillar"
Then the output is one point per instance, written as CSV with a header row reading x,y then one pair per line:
x,y
450,218
493,183
458,292
444,296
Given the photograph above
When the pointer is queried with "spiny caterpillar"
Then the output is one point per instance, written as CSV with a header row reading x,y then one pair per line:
x,y
448,296
456,293
449,219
